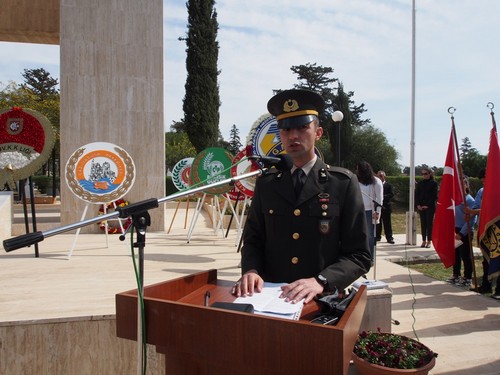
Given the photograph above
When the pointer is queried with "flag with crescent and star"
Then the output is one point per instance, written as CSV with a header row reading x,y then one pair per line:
x,y
450,195
489,217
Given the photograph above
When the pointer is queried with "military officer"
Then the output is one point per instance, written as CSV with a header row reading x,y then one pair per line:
x,y
306,226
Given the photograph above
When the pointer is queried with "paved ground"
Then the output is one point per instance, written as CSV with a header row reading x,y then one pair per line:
x,y
460,325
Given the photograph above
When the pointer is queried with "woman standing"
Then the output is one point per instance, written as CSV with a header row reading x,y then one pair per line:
x,y
426,195
372,191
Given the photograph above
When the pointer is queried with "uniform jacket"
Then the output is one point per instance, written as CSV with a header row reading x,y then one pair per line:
x,y
322,232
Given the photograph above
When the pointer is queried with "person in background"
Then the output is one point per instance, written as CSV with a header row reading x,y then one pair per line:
x,y
475,209
426,194
464,232
306,226
386,220
372,191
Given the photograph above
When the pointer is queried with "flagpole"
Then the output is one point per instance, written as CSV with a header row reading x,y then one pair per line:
x,y
461,180
411,232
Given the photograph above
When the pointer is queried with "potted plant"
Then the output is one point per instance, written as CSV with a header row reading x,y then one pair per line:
x,y
379,353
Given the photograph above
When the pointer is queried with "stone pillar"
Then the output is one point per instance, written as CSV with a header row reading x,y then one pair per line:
x,y
112,91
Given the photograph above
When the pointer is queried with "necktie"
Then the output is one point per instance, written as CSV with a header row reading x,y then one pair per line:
x,y
298,180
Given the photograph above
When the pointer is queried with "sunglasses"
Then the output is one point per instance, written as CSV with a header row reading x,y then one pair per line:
x,y
425,174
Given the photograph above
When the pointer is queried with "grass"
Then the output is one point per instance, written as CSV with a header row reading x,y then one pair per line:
x,y
399,220
436,270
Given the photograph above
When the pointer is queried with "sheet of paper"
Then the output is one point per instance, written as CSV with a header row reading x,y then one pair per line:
x,y
268,302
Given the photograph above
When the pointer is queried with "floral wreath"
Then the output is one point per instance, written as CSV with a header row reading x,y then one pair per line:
x,y
110,207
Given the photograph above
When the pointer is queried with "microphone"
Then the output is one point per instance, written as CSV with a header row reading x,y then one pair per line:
x,y
281,162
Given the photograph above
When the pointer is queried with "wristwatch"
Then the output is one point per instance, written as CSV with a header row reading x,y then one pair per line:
x,y
323,281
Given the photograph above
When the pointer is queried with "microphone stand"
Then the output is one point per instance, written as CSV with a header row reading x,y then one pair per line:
x,y
140,221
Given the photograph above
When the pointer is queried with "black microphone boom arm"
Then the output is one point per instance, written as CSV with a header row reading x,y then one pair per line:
x,y
28,239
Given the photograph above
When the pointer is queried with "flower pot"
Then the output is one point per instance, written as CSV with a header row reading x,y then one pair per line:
x,y
367,368
379,353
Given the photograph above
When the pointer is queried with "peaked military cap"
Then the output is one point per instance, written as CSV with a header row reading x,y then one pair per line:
x,y
296,107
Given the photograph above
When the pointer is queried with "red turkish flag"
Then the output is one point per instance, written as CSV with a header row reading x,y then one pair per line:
x,y
489,217
450,195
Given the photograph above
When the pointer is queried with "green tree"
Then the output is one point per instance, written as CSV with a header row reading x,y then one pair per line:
x,y
178,126
318,79
373,147
40,83
472,161
177,147
438,171
201,101
234,140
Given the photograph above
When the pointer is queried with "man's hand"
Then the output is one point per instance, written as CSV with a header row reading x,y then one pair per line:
x,y
249,283
305,289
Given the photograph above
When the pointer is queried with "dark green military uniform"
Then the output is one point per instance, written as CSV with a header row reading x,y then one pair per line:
x,y
323,231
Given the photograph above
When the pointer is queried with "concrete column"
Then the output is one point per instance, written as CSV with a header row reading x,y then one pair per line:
x,y
112,91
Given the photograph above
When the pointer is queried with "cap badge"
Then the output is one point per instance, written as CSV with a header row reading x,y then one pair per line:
x,y
290,105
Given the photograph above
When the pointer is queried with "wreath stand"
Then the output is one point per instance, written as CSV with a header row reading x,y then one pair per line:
x,y
217,217
22,196
239,233
199,206
227,203
175,213
78,231
239,219
106,226
84,214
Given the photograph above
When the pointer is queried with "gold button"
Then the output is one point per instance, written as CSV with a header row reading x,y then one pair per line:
x,y
271,211
296,212
295,236
295,260
324,207
324,213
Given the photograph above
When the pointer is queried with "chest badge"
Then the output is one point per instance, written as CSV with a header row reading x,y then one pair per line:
x,y
323,198
324,226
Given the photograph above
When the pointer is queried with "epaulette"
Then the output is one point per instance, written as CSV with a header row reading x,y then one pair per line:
x,y
341,170
271,172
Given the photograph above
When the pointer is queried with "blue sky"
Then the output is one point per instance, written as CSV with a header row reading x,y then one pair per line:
x,y
366,42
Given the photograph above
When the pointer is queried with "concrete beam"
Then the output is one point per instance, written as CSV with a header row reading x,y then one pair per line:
x,y
30,21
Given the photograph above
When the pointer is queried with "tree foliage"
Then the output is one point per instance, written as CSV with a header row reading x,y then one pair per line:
x,y
472,161
234,140
353,131
39,83
438,171
38,92
317,78
371,145
177,147
201,102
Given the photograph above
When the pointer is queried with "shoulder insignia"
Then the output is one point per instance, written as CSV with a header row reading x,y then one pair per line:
x,y
271,172
340,170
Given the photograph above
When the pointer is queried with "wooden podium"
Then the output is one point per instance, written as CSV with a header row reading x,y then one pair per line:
x,y
204,340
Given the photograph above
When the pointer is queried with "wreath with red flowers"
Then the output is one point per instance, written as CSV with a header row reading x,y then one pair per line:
x,y
110,207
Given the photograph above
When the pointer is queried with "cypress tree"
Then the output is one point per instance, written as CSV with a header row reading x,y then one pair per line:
x,y
201,101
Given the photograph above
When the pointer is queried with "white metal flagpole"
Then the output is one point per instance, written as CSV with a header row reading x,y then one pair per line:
x,y
411,235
